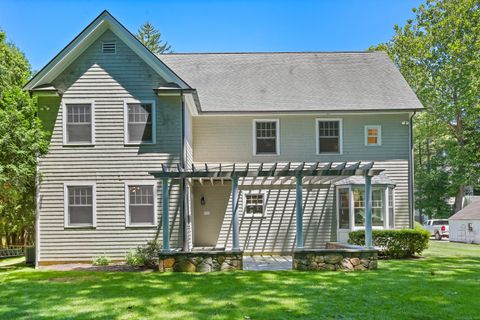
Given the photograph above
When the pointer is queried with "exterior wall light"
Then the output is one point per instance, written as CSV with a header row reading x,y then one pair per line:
x,y
405,123
202,200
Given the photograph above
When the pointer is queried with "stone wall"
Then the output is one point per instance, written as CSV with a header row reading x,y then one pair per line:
x,y
339,258
205,261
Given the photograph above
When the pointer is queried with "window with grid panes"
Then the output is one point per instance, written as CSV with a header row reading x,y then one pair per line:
x,y
329,136
254,204
266,137
80,205
79,123
139,125
141,204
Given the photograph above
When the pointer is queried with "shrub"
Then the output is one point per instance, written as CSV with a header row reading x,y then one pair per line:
x,y
148,254
101,261
133,258
394,243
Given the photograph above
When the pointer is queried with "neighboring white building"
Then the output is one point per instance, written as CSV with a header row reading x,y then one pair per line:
x,y
465,224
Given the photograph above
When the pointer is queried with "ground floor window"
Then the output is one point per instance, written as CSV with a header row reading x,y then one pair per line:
x,y
351,207
79,204
140,203
254,204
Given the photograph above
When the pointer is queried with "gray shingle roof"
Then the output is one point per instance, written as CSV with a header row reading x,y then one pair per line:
x,y
382,179
308,81
470,212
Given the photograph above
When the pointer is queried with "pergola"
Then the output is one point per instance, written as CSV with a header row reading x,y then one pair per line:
x,y
319,172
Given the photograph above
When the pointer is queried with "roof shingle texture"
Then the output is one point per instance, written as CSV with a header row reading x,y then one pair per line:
x,y
470,212
309,81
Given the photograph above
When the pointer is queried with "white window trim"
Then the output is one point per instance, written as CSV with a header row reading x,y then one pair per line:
x,y
387,203
244,203
379,137
125,122
64,121
127,203
340,136
351,208
277,146
66,217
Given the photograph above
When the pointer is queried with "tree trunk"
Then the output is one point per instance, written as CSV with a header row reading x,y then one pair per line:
x,y
459,198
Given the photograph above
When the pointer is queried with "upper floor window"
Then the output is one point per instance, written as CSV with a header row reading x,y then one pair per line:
x,y
254,204
140,200
329,136
78,127
80,205
266,140
139,124
373,135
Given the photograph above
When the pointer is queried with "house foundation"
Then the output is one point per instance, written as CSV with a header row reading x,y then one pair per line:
x,y
200,261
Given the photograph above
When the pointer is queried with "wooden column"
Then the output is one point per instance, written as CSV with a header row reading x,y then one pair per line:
x,y
235,227
299,211
368,211
165,215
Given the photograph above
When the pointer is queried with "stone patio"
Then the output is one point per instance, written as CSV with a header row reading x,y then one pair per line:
x,y
260,263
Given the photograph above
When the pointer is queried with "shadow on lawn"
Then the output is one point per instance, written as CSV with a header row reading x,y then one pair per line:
x,y
440,285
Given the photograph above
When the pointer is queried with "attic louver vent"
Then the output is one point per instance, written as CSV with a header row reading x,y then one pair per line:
x,y
109,47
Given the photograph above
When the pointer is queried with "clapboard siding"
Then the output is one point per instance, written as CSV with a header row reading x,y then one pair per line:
x,y
218,138
276,231
107,80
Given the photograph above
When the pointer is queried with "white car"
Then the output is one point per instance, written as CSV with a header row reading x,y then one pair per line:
x,y
437,227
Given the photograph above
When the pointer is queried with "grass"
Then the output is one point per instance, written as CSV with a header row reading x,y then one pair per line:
x,y
442,285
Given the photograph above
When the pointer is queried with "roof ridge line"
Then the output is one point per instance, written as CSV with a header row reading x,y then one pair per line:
x,y
269,52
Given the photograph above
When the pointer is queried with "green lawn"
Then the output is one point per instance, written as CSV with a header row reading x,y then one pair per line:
x,y
444,285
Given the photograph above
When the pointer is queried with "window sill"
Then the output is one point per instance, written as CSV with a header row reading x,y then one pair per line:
x,y
329,153
266,154
249,216
140,226
91,227
373,145
138,144
76,145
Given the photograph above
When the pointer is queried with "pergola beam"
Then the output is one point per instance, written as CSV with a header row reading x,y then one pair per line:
x,y
342,169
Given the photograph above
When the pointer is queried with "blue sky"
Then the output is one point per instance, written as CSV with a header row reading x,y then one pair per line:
x,y
42,28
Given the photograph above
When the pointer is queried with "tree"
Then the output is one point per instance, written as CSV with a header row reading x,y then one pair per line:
x,y
438,53
21,141
151,38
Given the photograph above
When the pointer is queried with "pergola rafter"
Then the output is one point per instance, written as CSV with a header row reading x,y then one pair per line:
x,y
318,172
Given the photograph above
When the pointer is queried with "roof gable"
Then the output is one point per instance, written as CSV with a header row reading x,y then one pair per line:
x,y
105,21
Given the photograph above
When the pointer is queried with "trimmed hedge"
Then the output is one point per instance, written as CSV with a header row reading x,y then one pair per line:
x,y
394,243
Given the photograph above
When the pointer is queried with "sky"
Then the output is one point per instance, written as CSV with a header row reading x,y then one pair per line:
x,y
42,28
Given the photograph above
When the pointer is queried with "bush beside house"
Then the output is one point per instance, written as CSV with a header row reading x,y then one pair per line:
x,y
394,243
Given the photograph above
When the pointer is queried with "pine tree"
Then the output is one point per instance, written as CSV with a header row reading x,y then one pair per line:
x,y
151,38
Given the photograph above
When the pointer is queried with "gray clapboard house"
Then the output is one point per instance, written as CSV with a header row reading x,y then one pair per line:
x,y
143,144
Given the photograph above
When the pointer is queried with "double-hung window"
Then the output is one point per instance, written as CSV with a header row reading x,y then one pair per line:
x,y
254,204
78,123
373,135
266,140
329,136
79,205
140,204
139,123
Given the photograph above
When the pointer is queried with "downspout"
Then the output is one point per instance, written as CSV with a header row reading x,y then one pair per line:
x,y
183,204
411,202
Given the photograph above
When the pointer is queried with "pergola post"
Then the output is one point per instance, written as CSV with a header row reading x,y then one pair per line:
x,y
165,215
235,228
368,211
299,211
